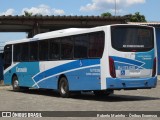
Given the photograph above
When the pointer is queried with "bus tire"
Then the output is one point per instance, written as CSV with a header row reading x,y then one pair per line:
x,y
64,87
15,84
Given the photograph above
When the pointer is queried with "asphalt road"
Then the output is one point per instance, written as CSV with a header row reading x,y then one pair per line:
x,y
42,100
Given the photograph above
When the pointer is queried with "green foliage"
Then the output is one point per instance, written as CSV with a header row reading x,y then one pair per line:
x,y
28,14
137,17
107,14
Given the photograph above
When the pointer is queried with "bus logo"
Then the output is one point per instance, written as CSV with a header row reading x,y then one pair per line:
x,y
122,72
80,63
21,69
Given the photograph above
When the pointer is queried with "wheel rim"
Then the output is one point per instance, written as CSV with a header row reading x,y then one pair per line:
x,y
63,88
15,84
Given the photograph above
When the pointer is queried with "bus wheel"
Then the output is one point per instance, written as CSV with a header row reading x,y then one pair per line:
x,y
63,87
15,84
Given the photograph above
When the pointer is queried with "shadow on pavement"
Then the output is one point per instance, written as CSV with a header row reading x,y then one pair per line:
x,y
91,96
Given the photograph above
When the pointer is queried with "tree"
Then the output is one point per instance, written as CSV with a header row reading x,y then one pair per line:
x,y
107,14
137,17
28,14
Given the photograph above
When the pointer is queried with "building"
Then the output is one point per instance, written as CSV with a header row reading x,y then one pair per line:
x,y
38,24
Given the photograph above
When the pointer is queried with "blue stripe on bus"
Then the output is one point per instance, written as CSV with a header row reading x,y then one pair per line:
x,y
127,61
66,67
141,60
77,80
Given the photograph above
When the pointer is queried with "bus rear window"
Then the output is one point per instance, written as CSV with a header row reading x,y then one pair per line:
x,y
132,38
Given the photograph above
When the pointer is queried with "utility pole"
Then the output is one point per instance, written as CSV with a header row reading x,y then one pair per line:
x,y
115,7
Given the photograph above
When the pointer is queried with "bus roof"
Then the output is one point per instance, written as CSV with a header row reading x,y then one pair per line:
x,y
68,30
57,33
18,41
65,32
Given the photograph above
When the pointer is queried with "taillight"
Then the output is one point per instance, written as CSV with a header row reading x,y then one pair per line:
x,y
112,68
154,67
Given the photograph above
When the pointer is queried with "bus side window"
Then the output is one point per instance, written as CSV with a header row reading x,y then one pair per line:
x,y
66,48
7,56
80,46
43,50
33,51
54,49
24,52
17,52
96,44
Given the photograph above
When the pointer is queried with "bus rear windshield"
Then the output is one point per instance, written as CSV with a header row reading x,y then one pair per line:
x,y
132,38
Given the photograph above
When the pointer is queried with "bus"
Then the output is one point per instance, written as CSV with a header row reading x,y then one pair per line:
x,y
100,59
2,44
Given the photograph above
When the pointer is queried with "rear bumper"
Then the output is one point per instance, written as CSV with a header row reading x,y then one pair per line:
x,y
132,83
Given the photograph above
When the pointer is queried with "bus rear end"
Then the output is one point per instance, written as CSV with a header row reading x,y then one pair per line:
x,y
132,57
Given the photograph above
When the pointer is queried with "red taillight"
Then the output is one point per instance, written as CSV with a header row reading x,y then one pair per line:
x,y
154,67
112,68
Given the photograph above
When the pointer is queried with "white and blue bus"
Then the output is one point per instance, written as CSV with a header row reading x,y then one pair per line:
x,y
100,59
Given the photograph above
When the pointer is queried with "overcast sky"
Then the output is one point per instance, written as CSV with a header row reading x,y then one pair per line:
x,y
149,8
